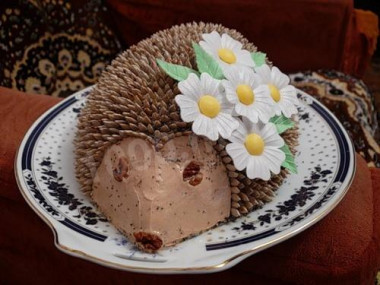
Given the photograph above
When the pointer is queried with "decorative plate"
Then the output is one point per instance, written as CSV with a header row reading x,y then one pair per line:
x,y
45,174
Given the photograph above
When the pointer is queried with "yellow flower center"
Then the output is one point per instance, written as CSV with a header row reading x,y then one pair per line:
x,y
209,106
227,55
254,144
245,94
274,92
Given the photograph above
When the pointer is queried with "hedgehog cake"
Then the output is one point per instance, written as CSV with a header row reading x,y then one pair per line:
x,y
188,129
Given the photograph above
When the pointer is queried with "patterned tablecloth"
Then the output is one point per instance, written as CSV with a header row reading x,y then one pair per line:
x,y
350,100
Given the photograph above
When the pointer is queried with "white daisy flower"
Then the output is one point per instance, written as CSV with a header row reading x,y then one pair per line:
x,y
256,147
251,99
201,102
284,95
227,51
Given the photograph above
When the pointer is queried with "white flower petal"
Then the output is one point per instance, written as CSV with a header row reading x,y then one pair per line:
x,y
263,171
276,109
251,166
263,103
264,114
256,81
209,85
268,131
247,111
238,154
279,79
230,92
191,87
232,74
212,37
226,106
257,169
224,66
234,114
232,98
247,76
189,108
290,93
211,49
239,134
211,43
288,109
274,141
226,124
244,57
265,73
288,101
273,158
250,127
205,126
262,93
230,43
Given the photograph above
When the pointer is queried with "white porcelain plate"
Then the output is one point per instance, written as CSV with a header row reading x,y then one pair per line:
x,y
45,173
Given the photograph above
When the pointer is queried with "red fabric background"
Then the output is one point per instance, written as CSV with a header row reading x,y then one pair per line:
x,y
341,249
296,35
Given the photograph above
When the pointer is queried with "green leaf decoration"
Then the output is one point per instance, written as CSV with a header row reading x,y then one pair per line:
x,y
175,71
289,159
282,123
258,58
206,63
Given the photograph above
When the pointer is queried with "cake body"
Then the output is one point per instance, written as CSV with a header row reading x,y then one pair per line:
x,y
158,173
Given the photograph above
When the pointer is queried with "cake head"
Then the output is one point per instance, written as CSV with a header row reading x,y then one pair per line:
x,y
134,103
159,197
